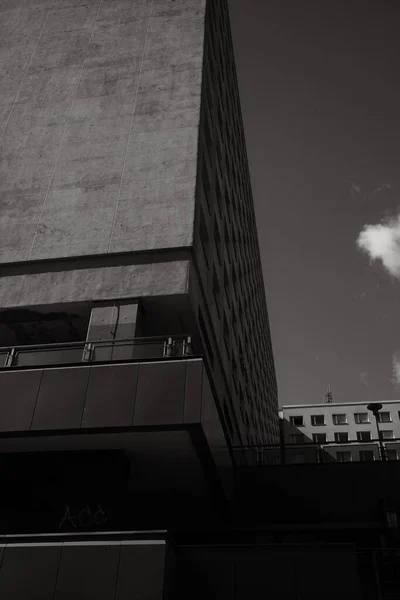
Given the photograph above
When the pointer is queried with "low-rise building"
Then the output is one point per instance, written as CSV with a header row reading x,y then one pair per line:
x,y
343,431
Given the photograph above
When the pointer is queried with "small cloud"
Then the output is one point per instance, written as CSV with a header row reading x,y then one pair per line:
x,y
382,242
396,368
382,188
363,378
354,188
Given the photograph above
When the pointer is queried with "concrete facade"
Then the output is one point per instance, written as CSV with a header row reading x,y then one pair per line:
x,y
99,108
124,178
350,421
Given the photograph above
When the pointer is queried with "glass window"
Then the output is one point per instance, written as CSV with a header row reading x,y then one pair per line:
x,y
364,436
343,456
366,455
339,419
317,419
391,454
297,438
341,436
298,457
361,418
384,417
319,438
297,421
387,434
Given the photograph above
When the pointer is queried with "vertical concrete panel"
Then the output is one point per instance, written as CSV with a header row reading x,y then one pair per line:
x,y
110,397
61,398
160,393
18,394
141,571
88,572
29,572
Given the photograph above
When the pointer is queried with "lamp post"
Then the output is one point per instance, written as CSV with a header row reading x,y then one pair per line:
x,y
375,407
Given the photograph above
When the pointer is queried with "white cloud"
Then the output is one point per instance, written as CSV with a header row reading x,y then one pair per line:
x,y
382,242
396,367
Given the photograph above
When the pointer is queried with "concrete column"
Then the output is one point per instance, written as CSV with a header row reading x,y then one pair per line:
x,y
113,323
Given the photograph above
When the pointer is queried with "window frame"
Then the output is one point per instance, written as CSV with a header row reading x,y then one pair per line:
x,y
343,452
391,437
367,422
338,433
340,415
361,452
317,424
291,420
359,433
391,450
315,441
384,412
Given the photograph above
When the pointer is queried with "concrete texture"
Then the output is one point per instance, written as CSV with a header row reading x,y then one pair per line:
x,y
98,99
86,284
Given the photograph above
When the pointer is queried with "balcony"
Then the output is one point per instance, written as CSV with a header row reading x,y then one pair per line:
x,y
96,351
150,398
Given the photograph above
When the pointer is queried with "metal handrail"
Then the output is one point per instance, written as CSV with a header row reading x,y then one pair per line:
x,y
153,339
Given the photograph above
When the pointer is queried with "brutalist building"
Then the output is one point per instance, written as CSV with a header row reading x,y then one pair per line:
x,y
135,345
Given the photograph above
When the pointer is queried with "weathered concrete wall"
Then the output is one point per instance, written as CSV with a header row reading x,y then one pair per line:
x,y
105,283
99,115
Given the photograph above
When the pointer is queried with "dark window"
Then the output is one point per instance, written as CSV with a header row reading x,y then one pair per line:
x,y
297,438
317,420
360,418
391,453
216,291
341,436
297,421
204,238
319,438
366,455
384,417
343,456
364,436
217,240
206,339
339,419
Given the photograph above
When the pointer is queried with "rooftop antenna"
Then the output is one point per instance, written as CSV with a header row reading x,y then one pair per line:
x,y
328,395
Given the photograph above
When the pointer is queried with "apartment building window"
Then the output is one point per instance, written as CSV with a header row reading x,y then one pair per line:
x,y
363,436
361,418
339,419
298,458
391,454
317,420
297,421
366,455
341,437
343,456
384,417
387,434
297,438
319,438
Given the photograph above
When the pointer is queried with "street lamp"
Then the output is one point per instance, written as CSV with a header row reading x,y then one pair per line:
x,y
375,407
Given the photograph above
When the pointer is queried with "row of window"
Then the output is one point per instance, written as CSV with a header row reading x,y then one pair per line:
x,y
347,456
341,437
341,419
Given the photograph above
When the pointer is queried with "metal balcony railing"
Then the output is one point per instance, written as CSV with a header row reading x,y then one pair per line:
x,y
102,350
311,453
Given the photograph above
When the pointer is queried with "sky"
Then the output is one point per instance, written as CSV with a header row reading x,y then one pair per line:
x,y
320,92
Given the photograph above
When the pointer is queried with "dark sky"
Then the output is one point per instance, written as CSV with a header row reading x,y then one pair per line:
x,y
320,92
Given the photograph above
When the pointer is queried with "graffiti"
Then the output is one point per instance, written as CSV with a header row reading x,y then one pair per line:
x,y
85,517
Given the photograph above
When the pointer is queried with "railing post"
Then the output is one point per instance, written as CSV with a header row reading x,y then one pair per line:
x,y
87,352
187,346
168,348
10,357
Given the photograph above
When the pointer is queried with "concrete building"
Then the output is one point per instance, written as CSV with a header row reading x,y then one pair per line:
x,y
125,197
345,431
135,346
